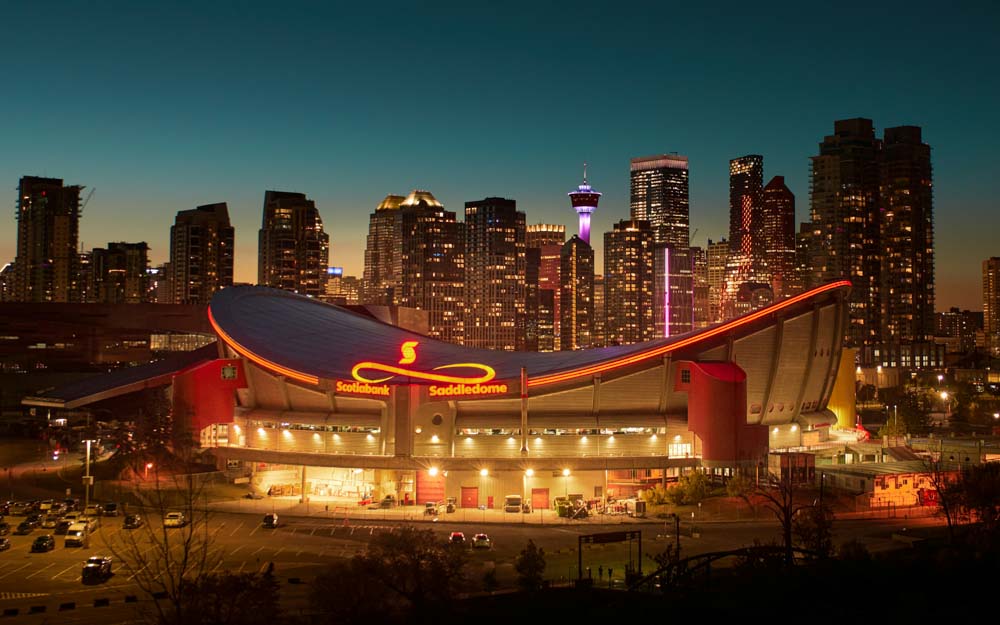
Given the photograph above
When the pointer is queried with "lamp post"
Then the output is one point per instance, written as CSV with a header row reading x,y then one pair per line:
x,y
87,479
149,465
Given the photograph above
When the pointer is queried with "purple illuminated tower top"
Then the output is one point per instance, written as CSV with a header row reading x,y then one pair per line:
x,y
584,201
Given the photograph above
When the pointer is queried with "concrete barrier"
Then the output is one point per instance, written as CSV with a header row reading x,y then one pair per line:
x,y
11,612
102,603
36,609
69,605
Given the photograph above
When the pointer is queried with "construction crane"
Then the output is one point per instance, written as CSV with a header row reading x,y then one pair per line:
x,y
690,238
89,195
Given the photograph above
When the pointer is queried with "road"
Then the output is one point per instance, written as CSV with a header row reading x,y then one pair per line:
x,y
301,546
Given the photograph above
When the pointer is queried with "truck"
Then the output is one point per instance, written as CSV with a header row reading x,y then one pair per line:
x,y
512,503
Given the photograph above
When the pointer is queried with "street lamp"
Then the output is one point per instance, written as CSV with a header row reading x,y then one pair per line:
x,y
87,479
149,465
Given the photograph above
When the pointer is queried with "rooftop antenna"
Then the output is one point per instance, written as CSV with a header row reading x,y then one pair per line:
x,y
584,172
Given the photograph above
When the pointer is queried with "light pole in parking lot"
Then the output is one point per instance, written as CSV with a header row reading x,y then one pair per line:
x,y
87,479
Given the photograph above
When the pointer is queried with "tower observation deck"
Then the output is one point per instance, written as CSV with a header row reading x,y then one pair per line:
x,y
584,201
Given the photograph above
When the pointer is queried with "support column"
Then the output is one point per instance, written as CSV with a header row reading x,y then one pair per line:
x,y
524,411
302,490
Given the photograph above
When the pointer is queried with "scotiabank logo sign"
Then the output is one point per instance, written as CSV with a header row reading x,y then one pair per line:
x,y
453,390
463,374
363,388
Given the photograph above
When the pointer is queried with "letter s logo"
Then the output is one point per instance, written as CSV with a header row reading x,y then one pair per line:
x,y
409,352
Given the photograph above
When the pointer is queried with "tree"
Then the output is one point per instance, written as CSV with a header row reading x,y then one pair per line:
x,y
164,561
408,572
948,493
779,497
742,487
978,492
231,599
530,566
813,529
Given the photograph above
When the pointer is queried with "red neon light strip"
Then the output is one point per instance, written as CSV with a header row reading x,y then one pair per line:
x,y
260,360
664,349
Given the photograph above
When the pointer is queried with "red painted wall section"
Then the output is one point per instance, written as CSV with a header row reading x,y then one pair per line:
x,y
206,392
717,409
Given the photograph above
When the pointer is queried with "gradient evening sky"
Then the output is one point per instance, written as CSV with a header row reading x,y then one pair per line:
x,y
167,106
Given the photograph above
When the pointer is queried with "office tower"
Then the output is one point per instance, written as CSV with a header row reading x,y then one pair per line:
x,y
293,249
659,195
844,206
86,287
539,303
432,261
549,239
700,296
960,326
576,277
383,262
340,289
907,234
538,235
777,236
48,224
584,201
746,250
120,273
991,304
803,275
717,253
598,335
628,276
201,253
494,274
160,291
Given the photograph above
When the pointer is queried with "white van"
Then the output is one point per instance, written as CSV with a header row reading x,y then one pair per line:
x,y
77,535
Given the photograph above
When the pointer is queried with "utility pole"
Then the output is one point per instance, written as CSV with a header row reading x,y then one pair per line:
x,y
87,479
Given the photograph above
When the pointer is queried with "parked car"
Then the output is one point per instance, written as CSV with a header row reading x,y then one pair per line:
x,y
96,569
457,538
4,544
45,506
512,503
174,519
36,519
253,495
20,508
43,543
77,535
389,501
92,523
270,521
431,508
93,509
50,521
24,528
70,503
4,528
481,541
62,527
132,521
110,509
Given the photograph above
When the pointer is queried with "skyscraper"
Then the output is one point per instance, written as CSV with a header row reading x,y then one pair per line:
x,y
120,273
538,235
340,289
746,249
846,242
494,274
293,249
628,277
201,253
584,201
699,277
577,300
598,336
383,262
432,264
659,195
777,236
718,260
991,304
48,224
549,240
907,233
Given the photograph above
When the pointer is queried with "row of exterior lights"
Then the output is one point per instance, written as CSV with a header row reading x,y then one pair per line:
x,y
433,471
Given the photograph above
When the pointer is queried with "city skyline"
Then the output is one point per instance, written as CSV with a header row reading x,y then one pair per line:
x,y
185,133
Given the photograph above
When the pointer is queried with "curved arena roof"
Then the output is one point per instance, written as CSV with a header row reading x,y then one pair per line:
x,y
308,340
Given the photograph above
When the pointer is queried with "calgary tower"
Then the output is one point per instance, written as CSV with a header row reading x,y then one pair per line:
x,y
584,201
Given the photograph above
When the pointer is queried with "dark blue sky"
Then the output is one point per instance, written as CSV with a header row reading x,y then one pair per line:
x,y
176,105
